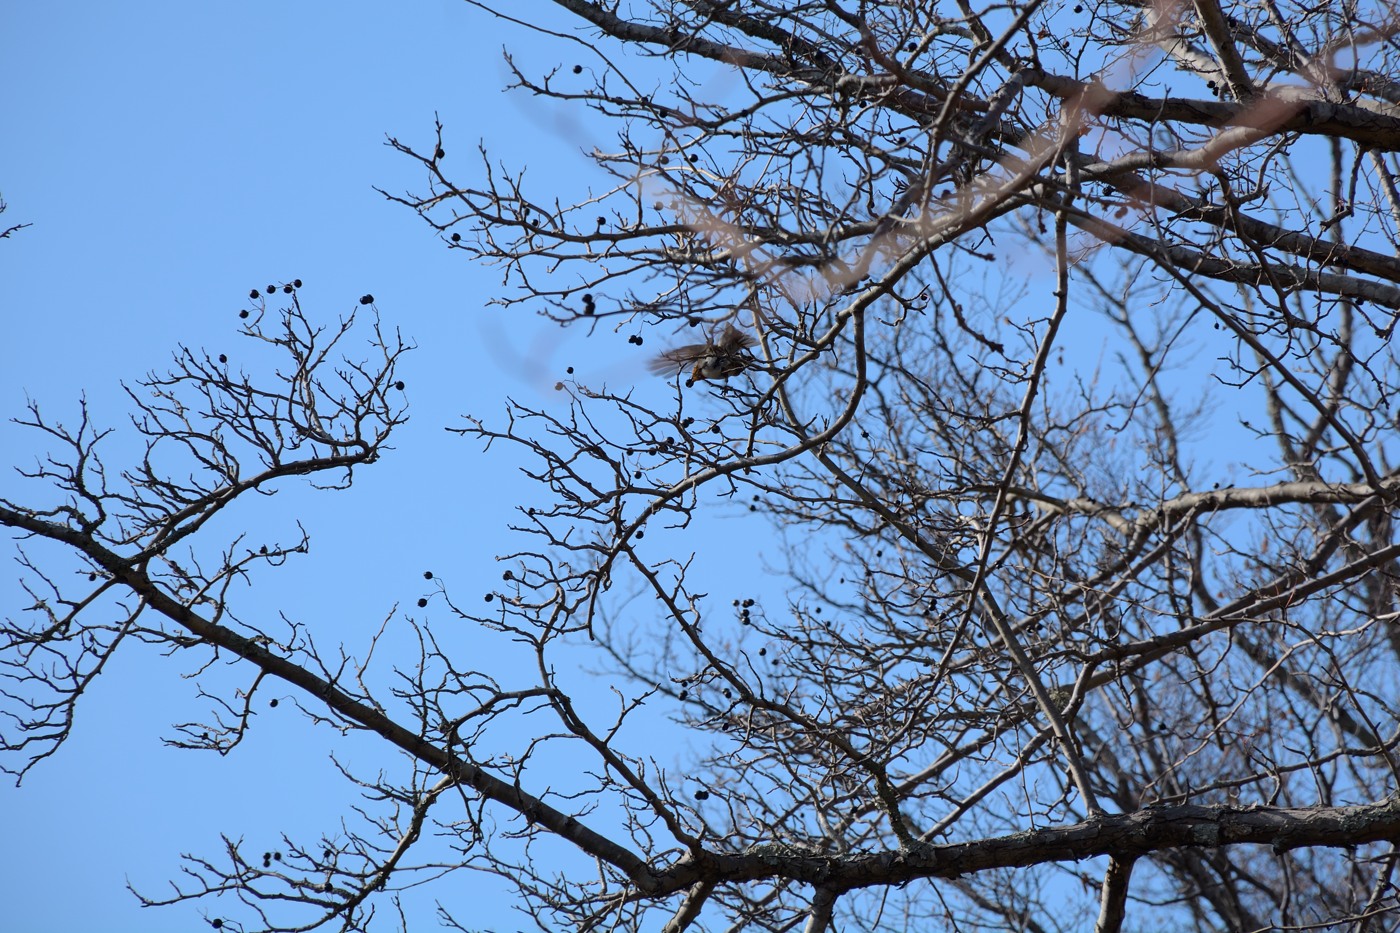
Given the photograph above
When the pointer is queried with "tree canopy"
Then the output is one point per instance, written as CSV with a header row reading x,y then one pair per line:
x,y
1053,345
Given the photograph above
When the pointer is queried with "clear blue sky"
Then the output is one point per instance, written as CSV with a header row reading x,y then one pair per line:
x,y
170,157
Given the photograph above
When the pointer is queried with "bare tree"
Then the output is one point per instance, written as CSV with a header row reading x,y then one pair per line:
x,y
13,228
1054,341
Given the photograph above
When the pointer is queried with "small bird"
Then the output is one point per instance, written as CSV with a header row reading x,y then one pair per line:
x,y
715,359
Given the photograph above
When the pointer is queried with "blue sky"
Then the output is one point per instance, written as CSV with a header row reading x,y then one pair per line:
x,y
170,157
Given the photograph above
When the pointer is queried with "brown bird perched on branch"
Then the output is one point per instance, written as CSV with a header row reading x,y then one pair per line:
x,y
717,358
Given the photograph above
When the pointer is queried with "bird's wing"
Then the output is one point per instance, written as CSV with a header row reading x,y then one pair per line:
x,y
676,358
733,340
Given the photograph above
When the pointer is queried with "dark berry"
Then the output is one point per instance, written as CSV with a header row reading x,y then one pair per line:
x,y
422,601
366,299
578,69
456,238
489,596
296,283
427,575
253,294
272,702
223,357
243,313
440,154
